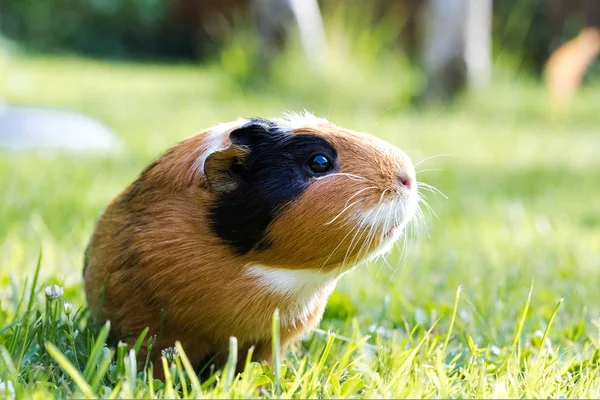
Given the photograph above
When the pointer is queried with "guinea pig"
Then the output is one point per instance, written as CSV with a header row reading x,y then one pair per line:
x,y
239,220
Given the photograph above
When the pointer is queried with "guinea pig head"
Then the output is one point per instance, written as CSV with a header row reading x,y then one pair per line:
x,y
309,194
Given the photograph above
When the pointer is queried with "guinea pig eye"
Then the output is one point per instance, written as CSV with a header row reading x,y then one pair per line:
x,y
319,164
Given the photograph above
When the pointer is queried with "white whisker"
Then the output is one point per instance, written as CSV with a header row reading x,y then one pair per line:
x,y
347,175
347,207
359,192
431,188
422,224
429,170
369,238
432,157
351,247
422,201
341,212
357,227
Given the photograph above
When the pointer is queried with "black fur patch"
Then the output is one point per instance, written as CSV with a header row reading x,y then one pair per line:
x,y
274,174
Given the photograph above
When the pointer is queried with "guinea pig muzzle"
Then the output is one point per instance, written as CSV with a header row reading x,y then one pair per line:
x,y
391,216
392,232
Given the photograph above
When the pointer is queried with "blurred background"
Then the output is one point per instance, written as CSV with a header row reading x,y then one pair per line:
x,y
499,99
453,42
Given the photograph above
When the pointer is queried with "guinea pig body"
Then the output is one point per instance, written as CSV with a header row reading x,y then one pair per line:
x,y
242,219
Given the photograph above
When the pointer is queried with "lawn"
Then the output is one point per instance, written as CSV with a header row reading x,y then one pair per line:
x,y
496,296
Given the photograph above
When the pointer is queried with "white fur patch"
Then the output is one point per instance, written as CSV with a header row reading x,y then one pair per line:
x,y
215,140
390,217
396,212
305,286
387,244
304,119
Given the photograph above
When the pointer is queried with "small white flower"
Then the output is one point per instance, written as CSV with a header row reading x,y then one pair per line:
x,y
170,353
53,292
7,388
495,350
68,308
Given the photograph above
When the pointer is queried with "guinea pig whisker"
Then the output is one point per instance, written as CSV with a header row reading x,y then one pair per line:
x,y
429,170
432,157
423,186
416,226
403,254
359,192
431,188
357,255
373,230
386,226
410,236
353,245
345,174
405,247
347,207
428,207
403,250
393,218
374,225
383,194
421,223
341,212
422,198
386,262
381,114
430,191
338,246
378,269
381,264
408,244
368,241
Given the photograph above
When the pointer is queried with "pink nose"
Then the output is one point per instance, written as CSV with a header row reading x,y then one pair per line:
x,y
405,181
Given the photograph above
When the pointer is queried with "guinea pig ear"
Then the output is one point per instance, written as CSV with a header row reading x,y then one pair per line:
x,y
220,168
252,132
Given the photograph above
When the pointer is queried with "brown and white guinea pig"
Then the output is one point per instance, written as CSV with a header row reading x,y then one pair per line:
x,y
242,219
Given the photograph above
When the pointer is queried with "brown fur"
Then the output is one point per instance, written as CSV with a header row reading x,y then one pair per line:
x,y
154,242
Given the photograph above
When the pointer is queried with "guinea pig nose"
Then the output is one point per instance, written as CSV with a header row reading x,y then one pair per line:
x,y
405,181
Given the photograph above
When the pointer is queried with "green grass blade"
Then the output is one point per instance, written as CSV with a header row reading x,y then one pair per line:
x,y
324,355
191,373
168,386
276,350
455,309
64,363
8,361
140,340
96,351
517,336
34,283
229,370
131,371
547,330
102,370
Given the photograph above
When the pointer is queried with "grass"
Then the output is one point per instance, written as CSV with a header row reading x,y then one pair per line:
x,y
499,298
